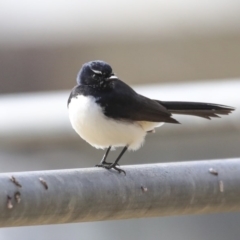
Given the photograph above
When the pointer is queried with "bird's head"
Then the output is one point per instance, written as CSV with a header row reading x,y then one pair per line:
x,y
94,73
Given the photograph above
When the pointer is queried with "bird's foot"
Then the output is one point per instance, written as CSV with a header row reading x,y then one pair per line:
x,y
114,166
109,166
102,164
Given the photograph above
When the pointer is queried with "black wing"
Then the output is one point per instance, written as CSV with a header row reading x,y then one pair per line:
x,y
121,102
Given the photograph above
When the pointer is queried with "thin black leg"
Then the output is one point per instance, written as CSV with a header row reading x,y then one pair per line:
x,y
103,161
114,165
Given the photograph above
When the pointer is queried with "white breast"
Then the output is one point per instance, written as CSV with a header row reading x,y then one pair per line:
x,y
100,131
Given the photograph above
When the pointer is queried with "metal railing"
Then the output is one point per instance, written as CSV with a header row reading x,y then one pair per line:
x,y
94,194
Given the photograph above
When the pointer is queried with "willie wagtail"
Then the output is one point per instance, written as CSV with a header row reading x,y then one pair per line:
x,y
107,113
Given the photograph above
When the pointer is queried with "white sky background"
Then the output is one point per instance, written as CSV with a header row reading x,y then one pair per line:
x,y
42,21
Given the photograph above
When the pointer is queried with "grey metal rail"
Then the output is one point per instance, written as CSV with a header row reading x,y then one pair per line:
x,y
94,194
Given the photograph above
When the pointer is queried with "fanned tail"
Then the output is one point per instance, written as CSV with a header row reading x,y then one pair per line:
x,y
204,110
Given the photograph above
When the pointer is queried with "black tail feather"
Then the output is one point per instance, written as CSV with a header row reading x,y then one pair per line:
x,y
204,110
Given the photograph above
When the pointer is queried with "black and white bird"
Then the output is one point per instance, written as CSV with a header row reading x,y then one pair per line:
x,y
107,113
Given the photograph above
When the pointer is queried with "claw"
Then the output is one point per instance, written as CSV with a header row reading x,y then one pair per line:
x,y
101,164
110,166
116,168
119,170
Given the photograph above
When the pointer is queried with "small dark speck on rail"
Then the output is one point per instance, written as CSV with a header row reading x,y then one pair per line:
x,y
9,202
144,189
44,183
15,181
213,171
17,197
221,186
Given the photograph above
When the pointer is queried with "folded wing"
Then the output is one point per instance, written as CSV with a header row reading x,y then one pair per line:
x,y
125,104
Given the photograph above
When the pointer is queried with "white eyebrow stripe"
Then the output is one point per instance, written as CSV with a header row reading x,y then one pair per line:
x,y
96,71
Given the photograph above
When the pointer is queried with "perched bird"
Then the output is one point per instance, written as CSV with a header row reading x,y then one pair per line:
x,y
107,113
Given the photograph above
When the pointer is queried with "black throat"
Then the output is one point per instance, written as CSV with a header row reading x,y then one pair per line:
x,y
95,90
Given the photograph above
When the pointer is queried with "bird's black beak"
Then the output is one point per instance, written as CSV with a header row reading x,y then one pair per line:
x,y
113,76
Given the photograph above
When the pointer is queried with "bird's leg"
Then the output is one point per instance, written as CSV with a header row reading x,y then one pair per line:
x,y
114,165
103,162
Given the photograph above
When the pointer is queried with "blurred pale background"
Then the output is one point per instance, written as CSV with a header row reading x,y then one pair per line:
x,y
44,43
